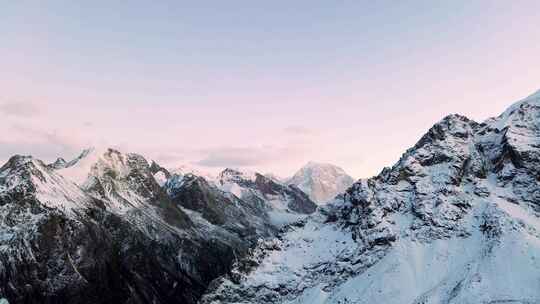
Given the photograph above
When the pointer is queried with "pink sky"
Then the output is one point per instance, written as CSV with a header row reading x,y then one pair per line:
x,y
355,103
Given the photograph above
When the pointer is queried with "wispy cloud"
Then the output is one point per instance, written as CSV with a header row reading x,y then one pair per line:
x,y
41,150
298,130
235,157
43,144
37,135
19,109
169,158
248,156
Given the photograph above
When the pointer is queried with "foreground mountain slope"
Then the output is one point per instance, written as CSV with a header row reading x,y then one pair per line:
x,y
456,220
322,182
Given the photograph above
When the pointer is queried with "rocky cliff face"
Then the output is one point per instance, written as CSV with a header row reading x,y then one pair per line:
x,y
456,220
104,228
257,187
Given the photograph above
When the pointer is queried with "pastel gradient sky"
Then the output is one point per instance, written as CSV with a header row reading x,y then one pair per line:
x,y
266,85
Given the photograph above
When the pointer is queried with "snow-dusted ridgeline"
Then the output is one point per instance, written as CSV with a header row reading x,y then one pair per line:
x,y
456,220
109,227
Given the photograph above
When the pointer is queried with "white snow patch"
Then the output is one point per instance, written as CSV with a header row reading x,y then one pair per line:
x,y
160,178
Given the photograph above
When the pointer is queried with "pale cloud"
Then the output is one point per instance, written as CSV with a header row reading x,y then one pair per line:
x,y
248,156
169,158
19,109
38,135
235,157
41,150
42,144
299,130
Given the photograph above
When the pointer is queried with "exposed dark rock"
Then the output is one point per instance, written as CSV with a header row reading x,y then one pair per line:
x,y
121,237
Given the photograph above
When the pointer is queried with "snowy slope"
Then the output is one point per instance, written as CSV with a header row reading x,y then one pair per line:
x,y
322,182
257,188
456,220
77,170
111,234
113,177
188,169
29,175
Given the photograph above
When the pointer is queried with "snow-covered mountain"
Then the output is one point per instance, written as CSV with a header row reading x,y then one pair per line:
x,y
284,203
188,169
455,220
322,182
109,227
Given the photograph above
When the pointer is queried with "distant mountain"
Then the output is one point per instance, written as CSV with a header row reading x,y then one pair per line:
x,y
188,169
456,220
322,182
256,187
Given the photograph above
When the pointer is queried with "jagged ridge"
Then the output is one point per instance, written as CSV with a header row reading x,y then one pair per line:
x,y
112,233
456,220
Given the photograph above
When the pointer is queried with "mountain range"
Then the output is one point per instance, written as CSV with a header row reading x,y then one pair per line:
x,y
110,227
455,220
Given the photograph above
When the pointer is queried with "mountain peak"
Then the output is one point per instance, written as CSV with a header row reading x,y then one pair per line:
x,y
531,100
77,169
236,174
321,181
312,163
524,111
17,160
535,96
59,163
38,181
